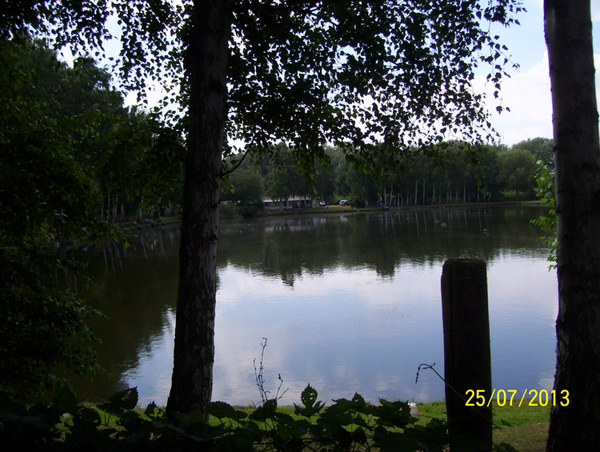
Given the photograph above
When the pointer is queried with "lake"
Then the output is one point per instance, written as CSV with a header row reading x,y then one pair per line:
x,y
348,303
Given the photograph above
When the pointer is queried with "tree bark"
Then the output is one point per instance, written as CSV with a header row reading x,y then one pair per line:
x,y
206,66
568,28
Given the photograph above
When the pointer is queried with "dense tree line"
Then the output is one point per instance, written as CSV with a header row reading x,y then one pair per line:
x,y
134,160
502,173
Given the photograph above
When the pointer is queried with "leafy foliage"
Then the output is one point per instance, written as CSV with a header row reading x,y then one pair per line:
x,y
452,177
141,164
360,73
517,170
285,180
42,326
375,78
115,425
314,73
546,191
62,150
45,196
244,188
541,148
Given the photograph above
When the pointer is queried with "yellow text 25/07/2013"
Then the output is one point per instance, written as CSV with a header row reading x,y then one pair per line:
x,y
529,397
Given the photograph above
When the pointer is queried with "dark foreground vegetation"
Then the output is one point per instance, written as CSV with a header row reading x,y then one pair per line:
x,y
117,425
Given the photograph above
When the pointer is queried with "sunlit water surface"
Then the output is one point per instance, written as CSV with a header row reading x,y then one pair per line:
x,y
348,304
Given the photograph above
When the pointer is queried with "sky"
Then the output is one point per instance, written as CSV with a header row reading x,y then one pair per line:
x,y
527,92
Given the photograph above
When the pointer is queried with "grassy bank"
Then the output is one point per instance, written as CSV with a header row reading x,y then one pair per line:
x,y
527,428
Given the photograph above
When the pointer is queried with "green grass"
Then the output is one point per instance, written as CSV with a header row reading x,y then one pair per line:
x,y
527,432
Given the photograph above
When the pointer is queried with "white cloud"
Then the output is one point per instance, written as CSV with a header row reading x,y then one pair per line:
x,y
527,95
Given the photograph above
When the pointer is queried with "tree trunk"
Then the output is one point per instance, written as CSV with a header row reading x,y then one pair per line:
x,y
577,155
108,208
206,67
140,211
416,191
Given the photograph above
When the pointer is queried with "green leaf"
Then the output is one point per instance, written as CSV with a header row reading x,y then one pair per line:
x,y
121,401
506,423
309,400
222,410
152,411
309,396
65,400
268,410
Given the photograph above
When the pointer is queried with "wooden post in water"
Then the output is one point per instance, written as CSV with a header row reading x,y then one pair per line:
x,y
467,363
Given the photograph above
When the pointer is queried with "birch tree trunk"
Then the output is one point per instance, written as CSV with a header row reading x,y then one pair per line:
x,y
416,191
206,66
568,28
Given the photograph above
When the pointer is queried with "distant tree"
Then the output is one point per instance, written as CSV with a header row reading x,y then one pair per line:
x,y
341,178
142,161
363,188
517,170
63,91
244,188
286,178
541,148
243,185
323,184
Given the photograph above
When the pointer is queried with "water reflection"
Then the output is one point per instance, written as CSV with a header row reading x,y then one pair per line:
x,y
347,303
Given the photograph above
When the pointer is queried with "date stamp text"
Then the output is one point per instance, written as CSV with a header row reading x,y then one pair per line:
x,y
506,397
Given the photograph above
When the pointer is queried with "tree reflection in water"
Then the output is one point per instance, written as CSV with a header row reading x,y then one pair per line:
x,y
348,303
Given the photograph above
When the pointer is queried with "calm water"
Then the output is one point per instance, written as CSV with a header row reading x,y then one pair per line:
x,y
347,303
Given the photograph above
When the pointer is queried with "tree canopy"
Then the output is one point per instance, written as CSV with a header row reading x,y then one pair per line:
x,y
310,73
517,170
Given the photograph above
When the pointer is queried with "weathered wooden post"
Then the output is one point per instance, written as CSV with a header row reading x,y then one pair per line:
x,y
467,363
